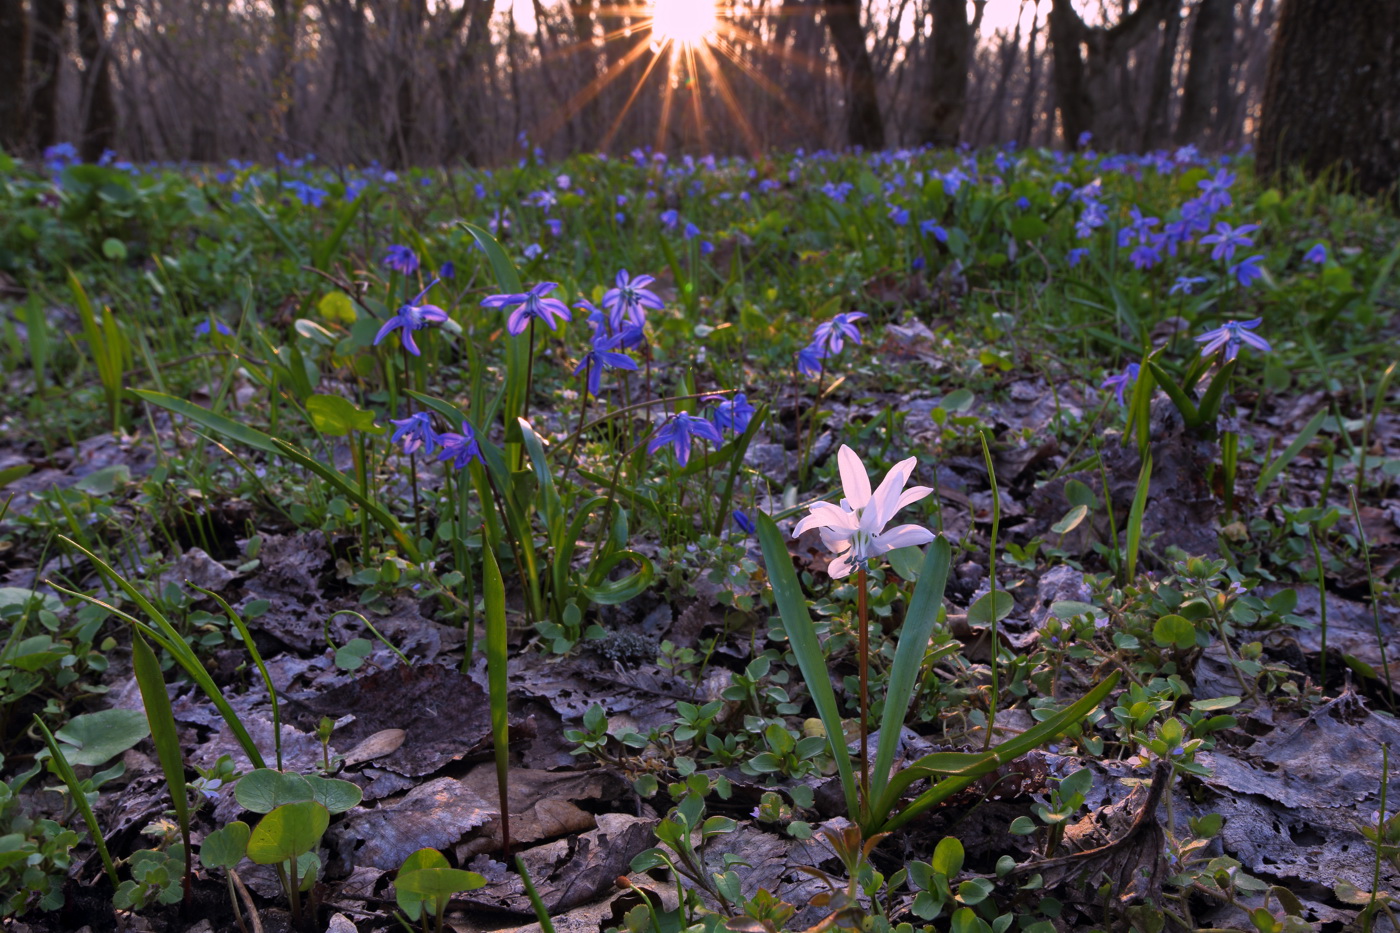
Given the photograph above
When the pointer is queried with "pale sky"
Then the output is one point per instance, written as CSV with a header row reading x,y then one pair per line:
x,y
1000,14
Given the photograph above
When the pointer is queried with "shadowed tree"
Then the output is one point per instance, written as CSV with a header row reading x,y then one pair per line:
x,y
951,54
468,45
864,125
1090,89
1332,96
1205,92
99,109
45,56
14,69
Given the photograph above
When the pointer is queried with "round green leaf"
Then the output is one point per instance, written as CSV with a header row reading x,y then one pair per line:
x,y
981,611
264,790
948,856
93,739
438,882
288,832
1174,631
410,902
1071,521
335,795
114,249
225,848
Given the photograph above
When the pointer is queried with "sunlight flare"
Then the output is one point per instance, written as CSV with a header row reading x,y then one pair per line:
x,y
685,22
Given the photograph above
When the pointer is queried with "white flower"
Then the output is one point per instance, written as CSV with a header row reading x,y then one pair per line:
x,y
854,530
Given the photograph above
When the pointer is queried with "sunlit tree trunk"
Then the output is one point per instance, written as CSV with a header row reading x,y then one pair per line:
x,y
1157,127
1332,97
45,59
14,76
864,125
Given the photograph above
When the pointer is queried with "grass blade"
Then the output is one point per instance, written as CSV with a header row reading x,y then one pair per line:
x,y
75,790
1144,483
493,590
1290,452
914,636
792,606
164,733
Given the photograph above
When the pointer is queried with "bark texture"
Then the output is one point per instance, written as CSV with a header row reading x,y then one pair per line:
x,y
865,126
948,69
45,57
14,80
1205,95
99,109
1332,96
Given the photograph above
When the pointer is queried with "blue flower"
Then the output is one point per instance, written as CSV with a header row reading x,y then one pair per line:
x,y
809,360
630,300
1186,284
461,449
691,231
679,431
602,356
401,259
532,304
1230,336
1075,256
831,335
733,414
1217,190
411,317
1120,382
416,432
449,270
670,218
1227,239
1247,271
1145,256
899,216
1317,255
203,327
933,229
744,523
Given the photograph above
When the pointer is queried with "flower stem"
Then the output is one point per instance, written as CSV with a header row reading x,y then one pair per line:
x,y
529,372
864,635
578,429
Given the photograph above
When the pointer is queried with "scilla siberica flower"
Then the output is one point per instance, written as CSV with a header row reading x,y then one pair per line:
x,y
1248,271
412,316
733,414
1316,255
460,449
630,300
1230,336
678,433
1227,239
416,432
809,360
855,529
831,335
401,259
601,356
1120,382
532,304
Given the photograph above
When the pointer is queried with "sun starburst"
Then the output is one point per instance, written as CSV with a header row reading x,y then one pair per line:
x,y
685,22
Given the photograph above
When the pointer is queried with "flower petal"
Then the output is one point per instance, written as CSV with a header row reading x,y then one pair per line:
x,y
840,566
901,536
885,502
825,515
854,479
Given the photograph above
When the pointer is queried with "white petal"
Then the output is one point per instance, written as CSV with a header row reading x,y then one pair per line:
x,y
840,566
885,502
902,536
854,480
824,515
911,495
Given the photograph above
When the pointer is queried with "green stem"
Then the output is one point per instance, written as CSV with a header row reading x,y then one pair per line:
x,y
864,640
992,590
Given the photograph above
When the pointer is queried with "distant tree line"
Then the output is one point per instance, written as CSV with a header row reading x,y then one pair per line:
x,y
443,81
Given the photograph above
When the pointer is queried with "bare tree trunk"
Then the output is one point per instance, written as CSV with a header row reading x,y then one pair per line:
x,y
1008,52
590,117
949,61
286,15
1205,91
46,58
1332,97
1095,91
1157,127
1028,100
14,76
99,109
864,125
459,77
